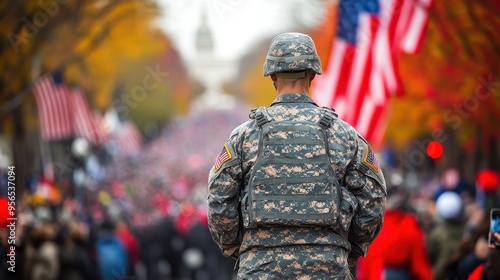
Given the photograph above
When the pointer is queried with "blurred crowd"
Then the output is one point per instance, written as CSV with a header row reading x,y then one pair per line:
x,y
144,218
435,228
67,242
137,217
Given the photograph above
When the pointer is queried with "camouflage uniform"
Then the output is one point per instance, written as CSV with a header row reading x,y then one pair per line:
x,y
293,252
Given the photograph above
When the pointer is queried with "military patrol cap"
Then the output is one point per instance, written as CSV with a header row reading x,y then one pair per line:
x,y
292,52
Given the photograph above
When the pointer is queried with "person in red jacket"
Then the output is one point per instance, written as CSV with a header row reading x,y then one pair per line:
x,y
131,245
399,250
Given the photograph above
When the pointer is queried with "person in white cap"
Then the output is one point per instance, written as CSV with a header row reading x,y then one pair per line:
x,y
443,240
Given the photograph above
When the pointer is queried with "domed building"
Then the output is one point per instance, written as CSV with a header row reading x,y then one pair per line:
x,y
211,71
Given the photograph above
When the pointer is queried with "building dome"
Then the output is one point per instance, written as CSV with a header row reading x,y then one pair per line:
x,y
204,40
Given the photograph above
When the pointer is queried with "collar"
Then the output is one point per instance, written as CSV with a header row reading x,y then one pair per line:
x,y
293,98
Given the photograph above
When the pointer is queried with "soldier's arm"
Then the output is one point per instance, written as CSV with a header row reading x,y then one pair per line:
x,y
366,181
223,199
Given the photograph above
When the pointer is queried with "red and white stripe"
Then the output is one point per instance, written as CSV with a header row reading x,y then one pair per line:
x,y
86,125
56,121
417,24
360,75
361,79
223,157
128,139
348,78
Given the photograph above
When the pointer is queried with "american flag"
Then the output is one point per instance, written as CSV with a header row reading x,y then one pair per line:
x,y
371,160
65,113
86,124
52,98
224,156
127,139
362,71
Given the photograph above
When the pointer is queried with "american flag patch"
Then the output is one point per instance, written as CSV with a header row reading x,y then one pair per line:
x,y
371,160
224,156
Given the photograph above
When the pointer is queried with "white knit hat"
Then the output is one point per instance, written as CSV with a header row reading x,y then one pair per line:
x,y
449,205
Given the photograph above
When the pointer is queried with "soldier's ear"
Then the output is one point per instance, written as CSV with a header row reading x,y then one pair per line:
x,y
311,78
313,75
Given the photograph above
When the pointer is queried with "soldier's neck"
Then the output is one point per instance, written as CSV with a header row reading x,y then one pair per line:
x,y
292,88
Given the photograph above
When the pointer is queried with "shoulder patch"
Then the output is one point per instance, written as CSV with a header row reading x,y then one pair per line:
x,y
371,160
224,156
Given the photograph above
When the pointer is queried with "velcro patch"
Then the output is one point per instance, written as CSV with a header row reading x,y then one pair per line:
x,y
224,156
371,160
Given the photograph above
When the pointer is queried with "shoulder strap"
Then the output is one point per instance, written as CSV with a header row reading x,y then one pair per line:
x,y
325,122
327,117
260,116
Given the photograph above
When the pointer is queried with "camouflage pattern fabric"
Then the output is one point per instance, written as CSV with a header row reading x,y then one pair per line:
x,y
303,262
292,52
261,251
292,182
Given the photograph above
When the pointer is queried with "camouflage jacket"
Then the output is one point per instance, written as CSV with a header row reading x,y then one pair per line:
x,y
353,162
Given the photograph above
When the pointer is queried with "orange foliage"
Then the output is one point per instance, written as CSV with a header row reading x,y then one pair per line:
x,y
451,81
255,88
324,35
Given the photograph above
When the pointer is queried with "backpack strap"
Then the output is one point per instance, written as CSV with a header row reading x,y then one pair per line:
x,y
260,116
325,122
328,116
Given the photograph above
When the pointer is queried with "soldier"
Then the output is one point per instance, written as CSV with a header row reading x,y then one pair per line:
x,y
296,193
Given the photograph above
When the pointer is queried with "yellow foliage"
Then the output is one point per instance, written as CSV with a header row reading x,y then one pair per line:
x,y
130,40
324,35
256,89
96,43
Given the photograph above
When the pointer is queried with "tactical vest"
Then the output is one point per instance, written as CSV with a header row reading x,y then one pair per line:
x,y
292,182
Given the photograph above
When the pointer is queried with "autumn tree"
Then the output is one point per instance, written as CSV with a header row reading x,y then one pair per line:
x,y
453,87
97,44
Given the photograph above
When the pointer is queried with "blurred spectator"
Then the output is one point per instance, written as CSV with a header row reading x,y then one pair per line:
x,y
399,251
160,249
131,245
76,263
45,262
488,185
489,269
112,258
452,181
202,255
470,254
443,240
492,267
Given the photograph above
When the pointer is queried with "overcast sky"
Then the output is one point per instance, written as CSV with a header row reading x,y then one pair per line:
x,y
236,24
